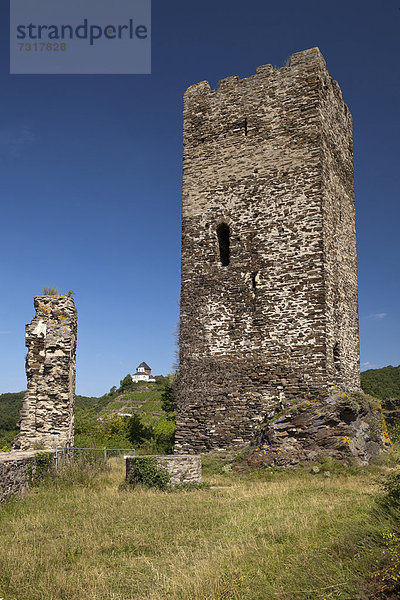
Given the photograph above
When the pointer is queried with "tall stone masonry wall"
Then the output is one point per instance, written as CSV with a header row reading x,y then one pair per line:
x,y
339,238
269,281
47,414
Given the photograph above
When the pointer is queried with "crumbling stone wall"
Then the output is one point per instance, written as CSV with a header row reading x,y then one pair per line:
x,y
269,281
17,470
183,468
47,414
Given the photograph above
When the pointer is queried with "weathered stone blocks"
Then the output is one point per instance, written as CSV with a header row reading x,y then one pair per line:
x,y
269,281
17,469
346,427
47,414
183,468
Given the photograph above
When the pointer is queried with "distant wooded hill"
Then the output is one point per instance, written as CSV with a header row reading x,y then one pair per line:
x,y
382,383
10,405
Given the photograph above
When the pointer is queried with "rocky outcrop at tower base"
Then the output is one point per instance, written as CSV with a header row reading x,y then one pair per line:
x,y
346,427
47,414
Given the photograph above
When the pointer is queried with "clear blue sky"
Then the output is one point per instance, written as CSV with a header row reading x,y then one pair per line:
x,y
90,180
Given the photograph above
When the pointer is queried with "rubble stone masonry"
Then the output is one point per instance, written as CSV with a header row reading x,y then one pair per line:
x,y
17,469
182,468
269,307
47,414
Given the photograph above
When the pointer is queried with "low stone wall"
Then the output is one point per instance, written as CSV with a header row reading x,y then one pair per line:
x,y
16,471
183,468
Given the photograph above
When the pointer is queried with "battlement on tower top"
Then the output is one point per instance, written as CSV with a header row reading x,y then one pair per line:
x,y
296,60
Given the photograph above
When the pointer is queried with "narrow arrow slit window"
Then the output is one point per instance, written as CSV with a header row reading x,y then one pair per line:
x,y
223,234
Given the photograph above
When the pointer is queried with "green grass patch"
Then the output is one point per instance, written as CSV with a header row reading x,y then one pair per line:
x,y
290,536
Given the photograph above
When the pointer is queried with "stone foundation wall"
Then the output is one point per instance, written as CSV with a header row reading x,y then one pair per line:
x,y
47,414
183,468
16,472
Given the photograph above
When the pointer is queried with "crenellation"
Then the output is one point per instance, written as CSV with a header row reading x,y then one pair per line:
x,y
229,82
197,88
264,70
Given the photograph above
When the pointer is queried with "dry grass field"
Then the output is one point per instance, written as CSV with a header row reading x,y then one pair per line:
x,y
283,536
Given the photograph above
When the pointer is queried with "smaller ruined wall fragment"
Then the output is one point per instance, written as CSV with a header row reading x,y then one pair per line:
x,y
47,414
17,471
183,468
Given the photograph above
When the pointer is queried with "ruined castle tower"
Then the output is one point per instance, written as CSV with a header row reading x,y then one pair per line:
x,y
47,414
269,278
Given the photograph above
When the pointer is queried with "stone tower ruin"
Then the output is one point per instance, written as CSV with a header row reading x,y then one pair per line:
x,y
269,307
47,414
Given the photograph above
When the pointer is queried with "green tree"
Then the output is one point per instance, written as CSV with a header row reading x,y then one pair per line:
x,y
168,398
10,405
126,383
164,433
137,432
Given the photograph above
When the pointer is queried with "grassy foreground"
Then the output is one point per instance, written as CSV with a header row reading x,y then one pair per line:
x,y
282,536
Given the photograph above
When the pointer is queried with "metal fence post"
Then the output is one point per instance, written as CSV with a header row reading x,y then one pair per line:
x,y
105,454
56,459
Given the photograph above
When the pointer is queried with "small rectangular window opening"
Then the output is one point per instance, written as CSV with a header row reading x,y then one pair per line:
x,y
245,127
336,357
223,234
253,280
